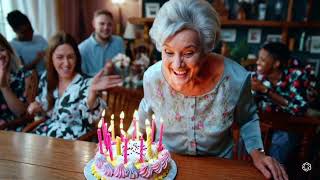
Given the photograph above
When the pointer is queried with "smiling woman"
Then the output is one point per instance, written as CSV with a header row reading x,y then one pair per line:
x,y
67,98
12,84
197,93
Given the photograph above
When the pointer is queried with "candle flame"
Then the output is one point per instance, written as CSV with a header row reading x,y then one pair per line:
x,y
147,122
135,114
122,115
123,133
153,117
112,116
161,120
103,112
100,124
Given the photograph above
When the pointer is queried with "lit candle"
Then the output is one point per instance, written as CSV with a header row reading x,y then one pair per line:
x,y
110,146
141,150
121,124
135,115
118,146
161,134
125,153
148,132
104,131
102,118
153,125
99,137
111,127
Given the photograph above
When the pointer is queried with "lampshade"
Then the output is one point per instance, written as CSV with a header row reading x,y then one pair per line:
x,y
129,32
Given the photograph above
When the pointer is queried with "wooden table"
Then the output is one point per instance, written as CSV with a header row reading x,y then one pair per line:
x,y
28,156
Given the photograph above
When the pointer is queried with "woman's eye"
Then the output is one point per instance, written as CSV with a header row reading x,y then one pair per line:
x,y
169,53
188,54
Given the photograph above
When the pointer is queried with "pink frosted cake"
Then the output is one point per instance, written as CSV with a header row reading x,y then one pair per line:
x,y
152,164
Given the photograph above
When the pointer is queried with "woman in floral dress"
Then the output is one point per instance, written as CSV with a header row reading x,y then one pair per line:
x,y
279,88
12,84
69,99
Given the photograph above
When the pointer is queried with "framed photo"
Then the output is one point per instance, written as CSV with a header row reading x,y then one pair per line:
x,y
152,9
254,36
315,44
228,35
273,38
315,63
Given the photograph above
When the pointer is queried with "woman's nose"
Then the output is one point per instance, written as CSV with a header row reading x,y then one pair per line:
x,y
177,61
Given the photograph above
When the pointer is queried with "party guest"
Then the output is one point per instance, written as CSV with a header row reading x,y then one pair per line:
x,y
200,94
12,84
69,99
30,48
101,46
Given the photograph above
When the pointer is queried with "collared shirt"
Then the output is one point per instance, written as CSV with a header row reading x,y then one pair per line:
x,y
28,50
94,55
70,116
201,125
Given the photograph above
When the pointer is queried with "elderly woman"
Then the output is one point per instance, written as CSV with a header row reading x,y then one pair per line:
x,y
199,94
12,84
68,98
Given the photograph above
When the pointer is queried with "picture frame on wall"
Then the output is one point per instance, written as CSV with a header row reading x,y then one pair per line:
x,y
152,9
273,38
228,35
254,35
315,63
315,44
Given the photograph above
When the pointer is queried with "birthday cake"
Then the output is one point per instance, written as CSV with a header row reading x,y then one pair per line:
x,y
129,158
155,166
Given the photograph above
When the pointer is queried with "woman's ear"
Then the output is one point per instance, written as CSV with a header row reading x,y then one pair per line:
x,y
276,64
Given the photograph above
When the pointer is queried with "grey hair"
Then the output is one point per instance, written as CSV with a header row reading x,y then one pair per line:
x,y
176,15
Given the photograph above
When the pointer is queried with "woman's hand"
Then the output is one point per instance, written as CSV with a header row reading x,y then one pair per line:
x,y
4,75
257,85
268,166
34,107
100,83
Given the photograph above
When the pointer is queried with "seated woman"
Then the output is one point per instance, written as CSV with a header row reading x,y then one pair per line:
x,y
197,93
278,88
12,84
68,98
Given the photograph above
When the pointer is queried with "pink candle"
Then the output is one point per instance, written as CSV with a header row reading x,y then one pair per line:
x,y
135,114
100,140
125,154
121,124
161,134
110,146
102,119
153,125
141,149
104,132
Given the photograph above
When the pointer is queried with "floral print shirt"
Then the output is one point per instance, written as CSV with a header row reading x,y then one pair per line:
x,y
295,85
201,125
17,85
70,117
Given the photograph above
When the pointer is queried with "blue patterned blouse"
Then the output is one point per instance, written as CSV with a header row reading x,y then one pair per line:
x,y
201,125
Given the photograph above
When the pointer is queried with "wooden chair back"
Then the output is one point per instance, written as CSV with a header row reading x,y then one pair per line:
x,y
32,86
270,122
122,99
304,126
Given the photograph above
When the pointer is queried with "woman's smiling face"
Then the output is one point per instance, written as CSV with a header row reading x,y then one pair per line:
x,y
182,55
